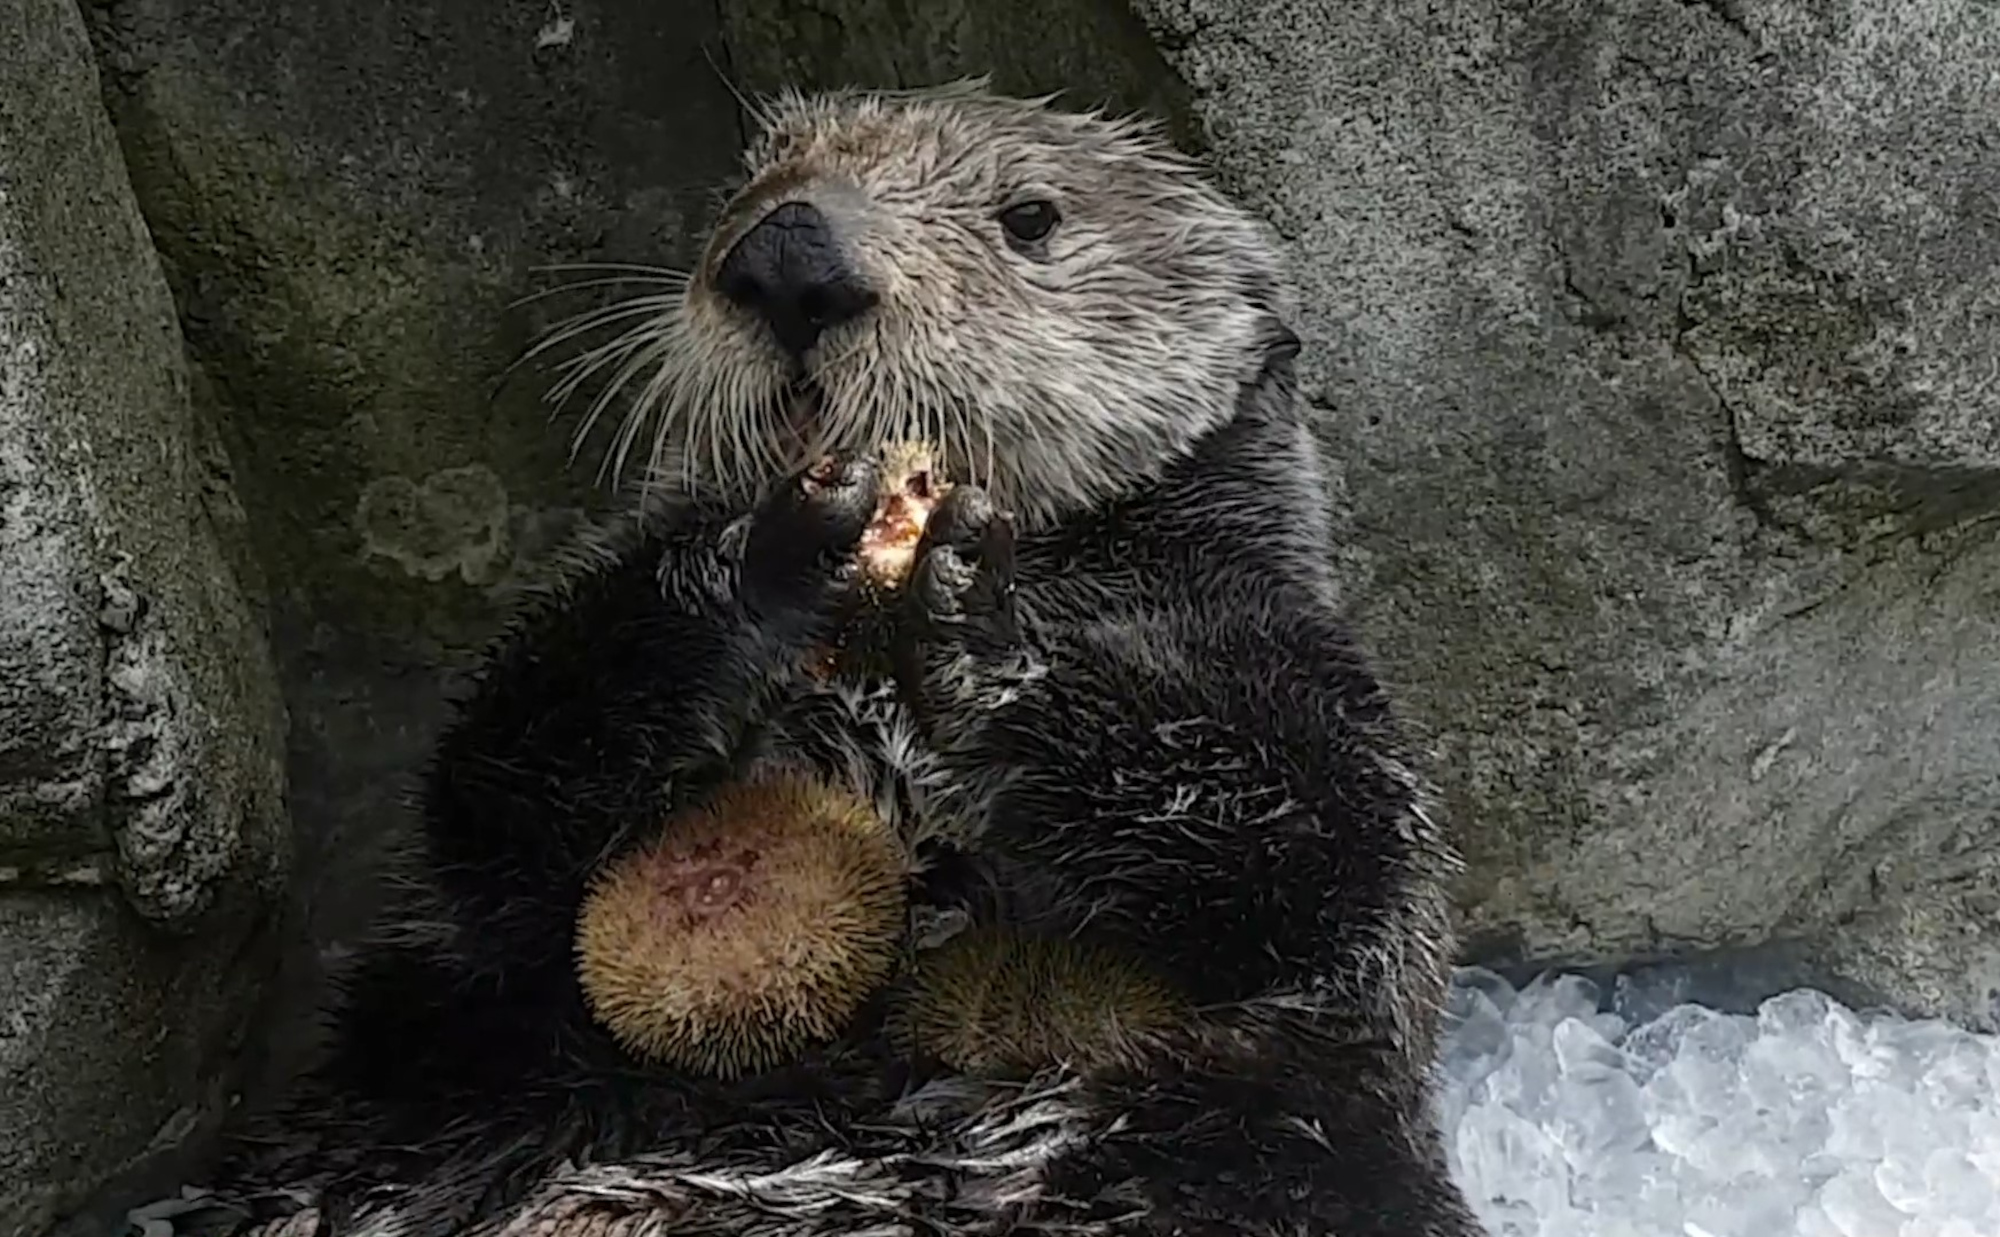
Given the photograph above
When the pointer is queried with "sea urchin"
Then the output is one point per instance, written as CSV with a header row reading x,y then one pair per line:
x,y
757,924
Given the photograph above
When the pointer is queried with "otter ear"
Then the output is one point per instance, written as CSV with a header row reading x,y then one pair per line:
x,y
1281,342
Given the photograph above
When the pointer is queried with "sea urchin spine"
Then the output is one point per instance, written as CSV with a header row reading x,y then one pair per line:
x,y
757,924
991,1001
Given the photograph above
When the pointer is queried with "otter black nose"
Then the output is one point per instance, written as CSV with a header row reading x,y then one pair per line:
x,y
789,271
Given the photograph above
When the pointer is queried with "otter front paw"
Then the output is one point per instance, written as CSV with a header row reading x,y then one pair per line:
x,y
961,589
960,649
797,547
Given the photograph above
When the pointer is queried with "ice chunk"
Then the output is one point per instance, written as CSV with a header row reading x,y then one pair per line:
x,y
1645,1182
1923,1226
1687,1033
1645,995
1479,979
1581,1051
1610,1026
1801,1012
1525,1079
1596,1101
1899,1179
1475,1031
1701,1082
1508,1164
1664,1118
1548,1000
1812,1221
1954,1186
1856,1207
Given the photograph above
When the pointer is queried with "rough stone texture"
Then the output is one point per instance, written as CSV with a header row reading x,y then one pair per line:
x,y
141,778
1092,52
1656,344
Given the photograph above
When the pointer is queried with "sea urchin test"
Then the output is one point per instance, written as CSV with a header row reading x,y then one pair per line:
x,y
755,925
995,1002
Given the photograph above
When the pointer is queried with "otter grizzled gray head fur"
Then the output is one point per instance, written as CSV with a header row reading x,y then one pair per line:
x,y
1058,300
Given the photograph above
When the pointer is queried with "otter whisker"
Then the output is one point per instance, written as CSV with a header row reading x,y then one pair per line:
x,y
755,457
950,427
992,453
564,391
713,441
580,324
856,346
593,319
658,398
722,460
645,351
660,301
662,400
966,449
751,107
605,281
696,402
962,444
919,416
944,434
580,368
636,268
583,324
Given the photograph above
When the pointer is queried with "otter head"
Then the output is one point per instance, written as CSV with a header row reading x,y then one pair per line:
x,y
1059,301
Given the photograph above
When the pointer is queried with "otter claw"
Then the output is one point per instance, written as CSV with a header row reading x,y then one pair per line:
x,y
801,540
964,571
826,472
837,493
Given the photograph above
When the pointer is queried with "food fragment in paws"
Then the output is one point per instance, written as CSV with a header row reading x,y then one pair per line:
x,y
912,488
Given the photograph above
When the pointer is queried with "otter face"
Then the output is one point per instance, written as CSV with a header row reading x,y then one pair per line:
x,y
1058,301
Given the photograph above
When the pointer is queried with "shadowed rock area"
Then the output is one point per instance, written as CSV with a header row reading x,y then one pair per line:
x,y
1654,342
142,828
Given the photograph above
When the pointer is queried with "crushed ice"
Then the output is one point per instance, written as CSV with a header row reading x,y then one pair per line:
x,y
1567,1115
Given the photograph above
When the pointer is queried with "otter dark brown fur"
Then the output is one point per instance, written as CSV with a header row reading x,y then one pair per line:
x,y
1124,711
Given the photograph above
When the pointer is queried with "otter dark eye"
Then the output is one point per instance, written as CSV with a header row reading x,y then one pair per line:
x,y
1029,222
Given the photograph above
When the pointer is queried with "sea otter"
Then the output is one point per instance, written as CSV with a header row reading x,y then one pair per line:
x,y
1120,710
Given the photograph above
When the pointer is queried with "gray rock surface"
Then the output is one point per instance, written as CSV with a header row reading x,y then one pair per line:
x,y
1656,342
141,778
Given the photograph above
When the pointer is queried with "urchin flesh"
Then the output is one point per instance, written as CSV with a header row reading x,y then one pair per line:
x,y
911,489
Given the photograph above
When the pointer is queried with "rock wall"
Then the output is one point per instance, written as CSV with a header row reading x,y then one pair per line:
x,y
1653,340
142,829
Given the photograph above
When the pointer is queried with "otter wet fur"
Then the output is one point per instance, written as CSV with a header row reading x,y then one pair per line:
x,y
1123,710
